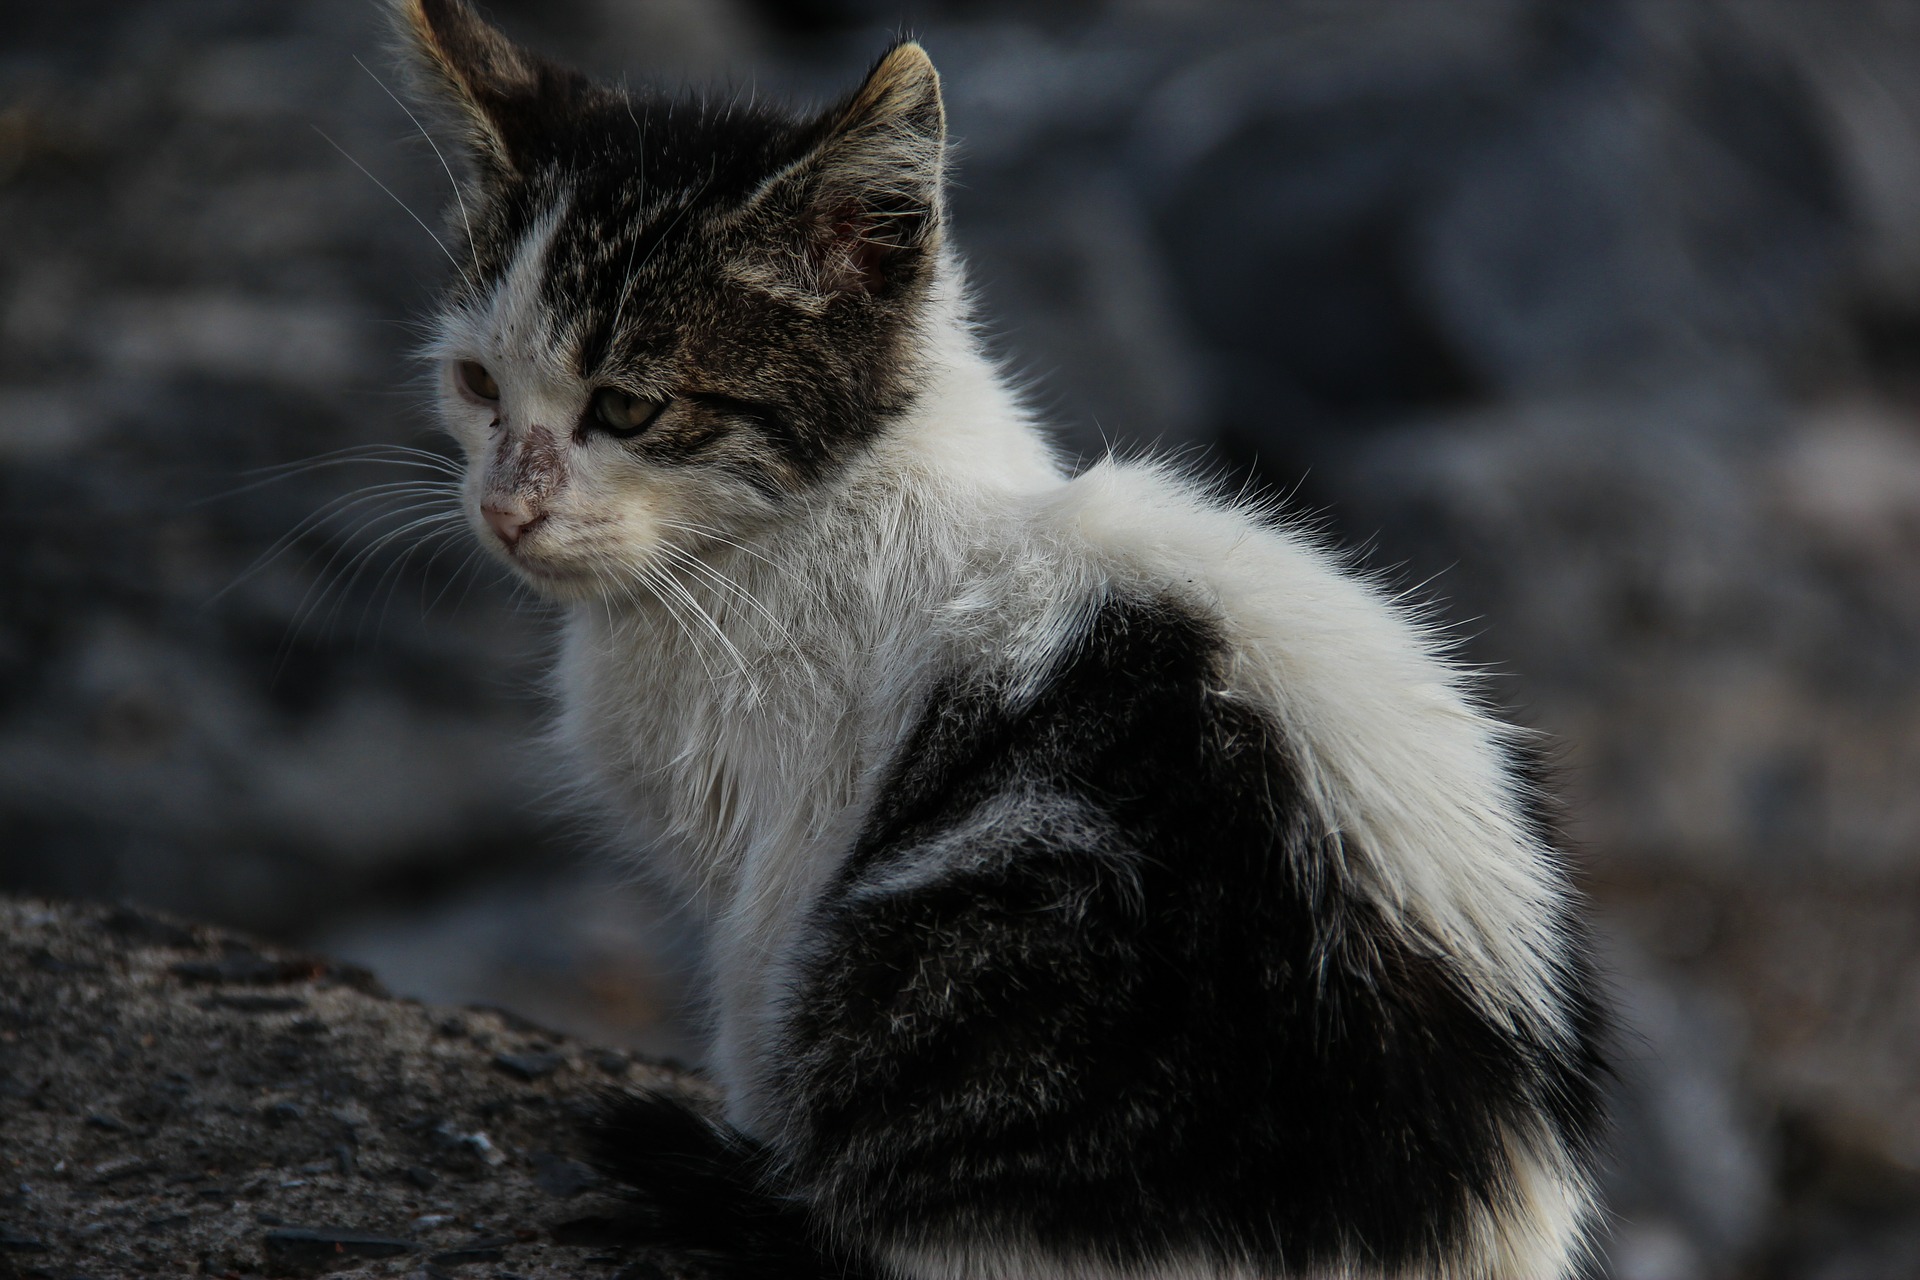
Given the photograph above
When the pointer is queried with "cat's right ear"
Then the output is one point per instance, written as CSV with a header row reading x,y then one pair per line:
x,y
498,96
866,198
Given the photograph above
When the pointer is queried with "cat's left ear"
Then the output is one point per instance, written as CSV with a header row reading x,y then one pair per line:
x,y
504,99
869,192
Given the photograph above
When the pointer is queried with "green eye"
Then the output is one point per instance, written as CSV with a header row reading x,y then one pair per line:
x,y
477,381
620,414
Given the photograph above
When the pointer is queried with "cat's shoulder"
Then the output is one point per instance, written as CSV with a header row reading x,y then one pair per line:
x,y
1386,732
1297,617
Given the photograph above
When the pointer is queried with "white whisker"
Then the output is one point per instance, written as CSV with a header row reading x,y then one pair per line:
x,y
331,510
613,329
460,199
457,265
677,601
714,535
291,470
328,582
720,580
430,528
466,568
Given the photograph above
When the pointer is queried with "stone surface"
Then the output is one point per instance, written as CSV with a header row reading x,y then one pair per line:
x,y
177,1100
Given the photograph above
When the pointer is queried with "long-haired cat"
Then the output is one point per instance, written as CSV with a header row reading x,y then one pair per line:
x,y
1095,880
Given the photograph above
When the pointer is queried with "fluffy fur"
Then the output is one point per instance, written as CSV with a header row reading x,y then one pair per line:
x,y
1096,879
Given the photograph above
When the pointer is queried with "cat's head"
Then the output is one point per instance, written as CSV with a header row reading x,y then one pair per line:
x,y
672,317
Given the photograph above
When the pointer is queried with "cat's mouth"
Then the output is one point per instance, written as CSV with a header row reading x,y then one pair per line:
x,y
513,536
543,562
529,563
546,573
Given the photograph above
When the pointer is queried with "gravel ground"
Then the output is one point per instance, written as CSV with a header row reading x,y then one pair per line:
x,y
178,1099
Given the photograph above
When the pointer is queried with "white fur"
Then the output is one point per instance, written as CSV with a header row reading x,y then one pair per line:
x,y
974,1260
743,750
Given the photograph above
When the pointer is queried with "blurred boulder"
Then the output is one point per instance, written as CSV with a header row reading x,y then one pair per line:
x,y
178,1100
1709,595
1692,1185
221,688
1666,197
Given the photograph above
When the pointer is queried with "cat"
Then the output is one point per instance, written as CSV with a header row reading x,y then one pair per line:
x,y
1095,877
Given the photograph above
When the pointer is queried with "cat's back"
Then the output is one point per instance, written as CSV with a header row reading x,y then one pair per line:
x,y
1382,733
1157,916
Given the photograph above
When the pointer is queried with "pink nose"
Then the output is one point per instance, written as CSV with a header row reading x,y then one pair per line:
x,y
510,518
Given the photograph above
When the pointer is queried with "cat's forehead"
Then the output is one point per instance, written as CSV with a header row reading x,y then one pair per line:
x,y
501,316
613,232
680,143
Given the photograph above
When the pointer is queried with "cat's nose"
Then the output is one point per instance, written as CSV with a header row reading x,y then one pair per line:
x,y
510,518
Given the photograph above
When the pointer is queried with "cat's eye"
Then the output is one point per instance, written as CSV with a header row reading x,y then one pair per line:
x,y
621,414
477,381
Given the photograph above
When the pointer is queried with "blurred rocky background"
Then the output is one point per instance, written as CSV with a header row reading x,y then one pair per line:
x,y
1598,320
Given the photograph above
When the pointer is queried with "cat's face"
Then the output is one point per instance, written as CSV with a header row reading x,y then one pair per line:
x,y
673,319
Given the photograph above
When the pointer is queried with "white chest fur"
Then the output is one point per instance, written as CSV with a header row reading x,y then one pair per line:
x,y
729,717
737,771
732,733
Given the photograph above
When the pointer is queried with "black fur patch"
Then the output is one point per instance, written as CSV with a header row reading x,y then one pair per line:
x,y
1193,1036
707,1193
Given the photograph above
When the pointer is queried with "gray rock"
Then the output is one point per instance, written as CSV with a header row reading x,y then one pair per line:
x,y
101,1022
1670,196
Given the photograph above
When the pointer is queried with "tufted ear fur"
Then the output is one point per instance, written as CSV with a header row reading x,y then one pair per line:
x,y
505,101
867,195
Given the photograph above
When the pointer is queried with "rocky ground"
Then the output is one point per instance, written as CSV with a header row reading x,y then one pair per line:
x,y
175,1100
1598,318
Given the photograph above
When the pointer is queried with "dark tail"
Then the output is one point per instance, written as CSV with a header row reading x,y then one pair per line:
x,y
706,1192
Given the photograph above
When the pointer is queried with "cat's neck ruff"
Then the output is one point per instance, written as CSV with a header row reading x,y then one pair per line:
x,y
739,709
